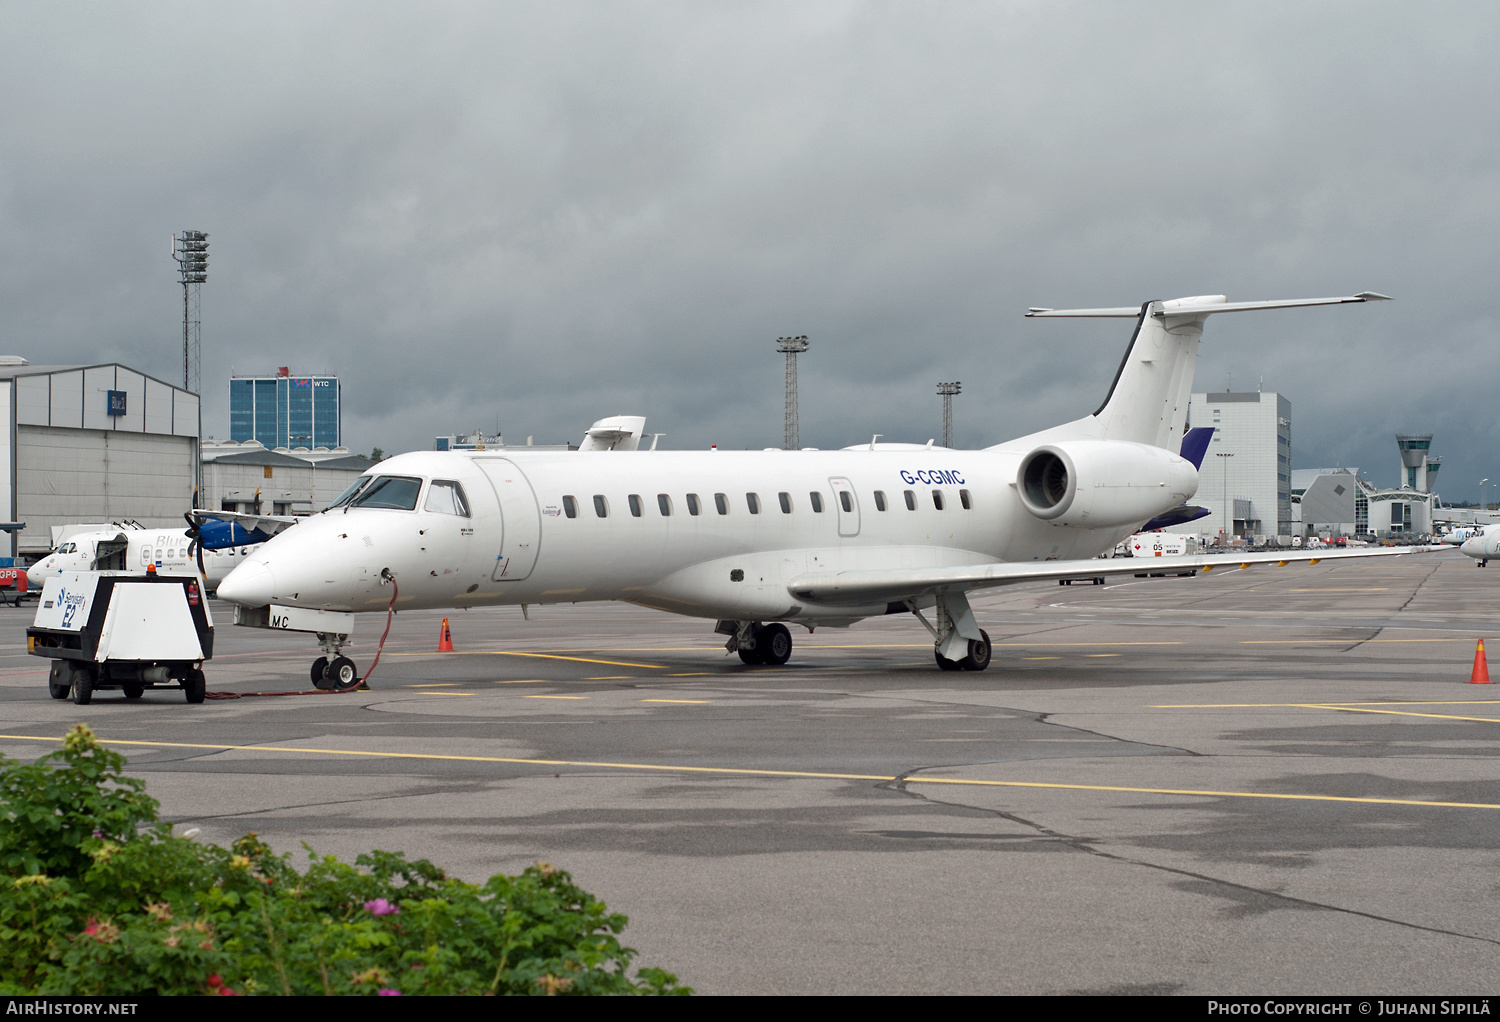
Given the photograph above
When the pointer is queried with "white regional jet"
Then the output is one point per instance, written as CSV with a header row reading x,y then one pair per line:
x,y
758,540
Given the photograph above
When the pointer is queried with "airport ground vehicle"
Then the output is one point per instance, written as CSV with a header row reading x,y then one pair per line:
x,y
112,630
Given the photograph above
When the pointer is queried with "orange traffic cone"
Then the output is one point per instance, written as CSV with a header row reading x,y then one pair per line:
x,y
445,641
1481,673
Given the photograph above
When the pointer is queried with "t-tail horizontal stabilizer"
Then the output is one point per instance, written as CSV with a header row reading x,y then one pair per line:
x,y
1205,305
1148,401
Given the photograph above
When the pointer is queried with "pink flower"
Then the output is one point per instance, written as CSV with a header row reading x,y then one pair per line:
x,y
388,992
381,907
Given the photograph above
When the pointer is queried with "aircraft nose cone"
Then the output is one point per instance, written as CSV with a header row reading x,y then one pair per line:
x,y
250,585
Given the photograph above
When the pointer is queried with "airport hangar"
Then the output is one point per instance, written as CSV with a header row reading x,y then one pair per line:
x,y
92,443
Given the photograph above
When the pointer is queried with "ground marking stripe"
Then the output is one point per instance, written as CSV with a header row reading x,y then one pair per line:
x,y
1350,708
744,771
1326,705
695,701
543,656
1409,713
554,697
1342,642
805,646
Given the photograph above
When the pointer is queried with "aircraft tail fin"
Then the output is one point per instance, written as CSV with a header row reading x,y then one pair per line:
x,y
1148,401
1195,444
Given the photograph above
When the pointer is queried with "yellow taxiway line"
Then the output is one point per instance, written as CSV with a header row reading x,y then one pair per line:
x,y
1328,705
542,656
1354,708
757,772
1336,642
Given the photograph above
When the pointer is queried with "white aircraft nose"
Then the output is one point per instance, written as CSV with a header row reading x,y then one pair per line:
x,y
250,585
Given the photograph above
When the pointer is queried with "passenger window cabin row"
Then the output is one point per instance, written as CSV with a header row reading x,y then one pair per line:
x,y
666,506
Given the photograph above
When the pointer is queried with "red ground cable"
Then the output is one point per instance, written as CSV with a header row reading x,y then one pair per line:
x,y
390,612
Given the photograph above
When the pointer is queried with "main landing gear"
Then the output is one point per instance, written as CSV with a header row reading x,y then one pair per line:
x,y
959,644
757,643
332,671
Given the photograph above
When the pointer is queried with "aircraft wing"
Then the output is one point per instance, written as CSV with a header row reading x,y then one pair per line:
x,y
894,584
266,525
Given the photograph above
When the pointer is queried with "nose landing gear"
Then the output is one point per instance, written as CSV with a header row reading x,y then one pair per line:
x,y
334,672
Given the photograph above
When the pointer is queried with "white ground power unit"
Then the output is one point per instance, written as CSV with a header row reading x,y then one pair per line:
x,y
113,630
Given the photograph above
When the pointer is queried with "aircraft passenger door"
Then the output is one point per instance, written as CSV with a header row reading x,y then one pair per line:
x,y
846,504
521,520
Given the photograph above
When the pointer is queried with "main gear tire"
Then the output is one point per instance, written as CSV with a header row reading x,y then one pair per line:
x,y
774,644
979,653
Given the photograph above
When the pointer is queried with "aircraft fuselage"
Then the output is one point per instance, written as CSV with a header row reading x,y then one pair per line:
x,y
707,534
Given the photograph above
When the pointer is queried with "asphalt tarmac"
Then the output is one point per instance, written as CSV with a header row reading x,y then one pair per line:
x,y
1270,781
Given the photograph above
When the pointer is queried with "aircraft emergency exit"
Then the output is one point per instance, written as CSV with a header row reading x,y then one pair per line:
x,y
755,541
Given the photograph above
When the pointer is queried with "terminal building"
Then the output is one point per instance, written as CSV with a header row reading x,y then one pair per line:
x,y
1330,502
92,443
286,410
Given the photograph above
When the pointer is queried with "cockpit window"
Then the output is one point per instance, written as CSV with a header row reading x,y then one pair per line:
x,y
446,497
352,491
396,493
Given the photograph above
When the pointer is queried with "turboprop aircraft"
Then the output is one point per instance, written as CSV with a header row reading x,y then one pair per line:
x,y
758,540
1482,544
128,547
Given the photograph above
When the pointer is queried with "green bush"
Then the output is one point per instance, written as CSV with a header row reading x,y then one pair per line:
x,y
98,897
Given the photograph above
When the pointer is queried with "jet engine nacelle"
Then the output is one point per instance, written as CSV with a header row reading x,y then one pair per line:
x,y
1103,483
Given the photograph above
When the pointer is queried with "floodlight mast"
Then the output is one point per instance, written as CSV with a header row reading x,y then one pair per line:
x,y
792,347
190,249
946,391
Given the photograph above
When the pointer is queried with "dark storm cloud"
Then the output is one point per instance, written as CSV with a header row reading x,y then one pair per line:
x,y
554,212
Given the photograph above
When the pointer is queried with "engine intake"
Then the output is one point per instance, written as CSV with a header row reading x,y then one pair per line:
x,y
1103,483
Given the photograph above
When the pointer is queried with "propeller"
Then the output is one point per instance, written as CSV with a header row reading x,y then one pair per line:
x,y
195,541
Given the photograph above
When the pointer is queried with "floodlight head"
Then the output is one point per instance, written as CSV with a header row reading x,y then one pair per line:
x,y
791,345
190,249
949,389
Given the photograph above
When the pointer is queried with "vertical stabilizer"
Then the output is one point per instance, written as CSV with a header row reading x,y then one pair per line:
x,y
1148,401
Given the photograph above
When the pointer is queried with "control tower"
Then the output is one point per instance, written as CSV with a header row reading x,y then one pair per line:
x,y
1414,462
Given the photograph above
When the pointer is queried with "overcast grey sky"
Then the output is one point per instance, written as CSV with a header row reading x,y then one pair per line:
x,y
552,212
